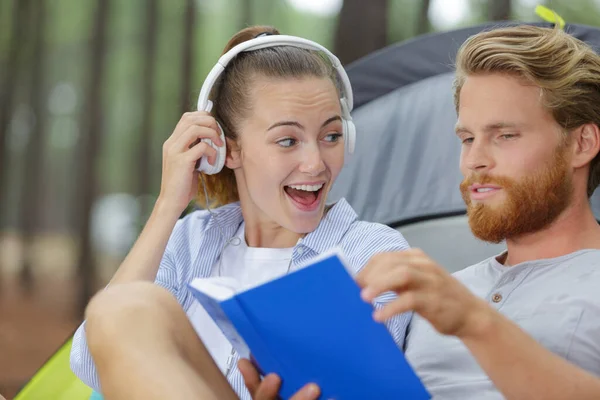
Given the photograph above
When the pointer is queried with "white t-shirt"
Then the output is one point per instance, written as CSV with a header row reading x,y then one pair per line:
x,y
250,266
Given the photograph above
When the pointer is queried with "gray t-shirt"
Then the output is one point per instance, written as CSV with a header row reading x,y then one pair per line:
x,y
556,301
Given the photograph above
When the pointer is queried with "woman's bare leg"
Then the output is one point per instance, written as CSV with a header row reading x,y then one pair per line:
x,y
144,347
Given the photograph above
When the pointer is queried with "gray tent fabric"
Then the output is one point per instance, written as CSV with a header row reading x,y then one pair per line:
x,y
428,55
404,172
406,160
449,241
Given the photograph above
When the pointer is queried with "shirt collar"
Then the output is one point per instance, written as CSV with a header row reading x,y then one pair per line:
x,y
329,232
227,217
332,228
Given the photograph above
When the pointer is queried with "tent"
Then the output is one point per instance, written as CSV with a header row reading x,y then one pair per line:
x,y
405,169
55,380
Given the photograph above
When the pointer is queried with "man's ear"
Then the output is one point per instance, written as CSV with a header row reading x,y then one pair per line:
x,y
586,144
233,159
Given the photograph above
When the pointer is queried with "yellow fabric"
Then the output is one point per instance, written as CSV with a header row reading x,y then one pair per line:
x,y
55,380
550,15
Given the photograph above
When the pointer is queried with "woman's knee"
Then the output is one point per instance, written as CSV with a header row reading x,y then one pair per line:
x,y
123,309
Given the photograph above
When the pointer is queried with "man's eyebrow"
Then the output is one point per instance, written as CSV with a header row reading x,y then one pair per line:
x,y
458,129
500,125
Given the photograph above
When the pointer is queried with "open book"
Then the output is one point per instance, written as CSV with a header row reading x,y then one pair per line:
x,y
312,326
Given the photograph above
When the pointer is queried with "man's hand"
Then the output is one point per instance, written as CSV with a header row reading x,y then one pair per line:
x,y
426,288
269,387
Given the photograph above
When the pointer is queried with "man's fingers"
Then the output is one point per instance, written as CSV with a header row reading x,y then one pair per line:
x,y
250,375
409,301
378,263
398,278
268,388
382,262
308,392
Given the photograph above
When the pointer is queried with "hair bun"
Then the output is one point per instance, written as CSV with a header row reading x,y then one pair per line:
x,y
249,34
264,34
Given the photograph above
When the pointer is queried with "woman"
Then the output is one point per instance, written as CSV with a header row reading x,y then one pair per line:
x,y
284,120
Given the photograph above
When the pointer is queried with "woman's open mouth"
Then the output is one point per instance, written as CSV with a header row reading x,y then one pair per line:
x,y
305,197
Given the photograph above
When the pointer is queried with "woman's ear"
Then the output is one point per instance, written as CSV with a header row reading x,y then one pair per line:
x,y
586,140
233,158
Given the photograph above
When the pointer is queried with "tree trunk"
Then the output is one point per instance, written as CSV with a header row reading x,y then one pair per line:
x,y
89,145
246,14
499,10
423,22
8,90
144,147
189,20
29,204
361,29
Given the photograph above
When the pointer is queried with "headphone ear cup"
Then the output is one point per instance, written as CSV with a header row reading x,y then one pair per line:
x,y
221,155
349,137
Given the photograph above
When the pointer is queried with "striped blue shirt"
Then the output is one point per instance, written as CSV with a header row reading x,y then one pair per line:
x,y
196,244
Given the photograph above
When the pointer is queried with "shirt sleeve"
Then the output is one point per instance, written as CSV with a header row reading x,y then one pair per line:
x,y
364,243
81,361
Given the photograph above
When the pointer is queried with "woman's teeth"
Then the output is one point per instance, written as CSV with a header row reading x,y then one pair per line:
x,y
307,188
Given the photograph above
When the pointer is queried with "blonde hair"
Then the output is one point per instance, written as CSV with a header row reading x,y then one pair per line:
x,y
231,95
565,69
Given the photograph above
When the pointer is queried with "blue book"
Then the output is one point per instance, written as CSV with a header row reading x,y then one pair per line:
x,y
312,326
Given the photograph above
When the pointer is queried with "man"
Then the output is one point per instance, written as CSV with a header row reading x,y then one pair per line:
x,y
528,104
524,324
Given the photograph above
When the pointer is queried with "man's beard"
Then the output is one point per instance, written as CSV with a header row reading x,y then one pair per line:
x,y
530,204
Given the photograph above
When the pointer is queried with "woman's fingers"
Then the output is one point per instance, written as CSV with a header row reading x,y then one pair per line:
x,y
200,118
191,135
199,150
250,375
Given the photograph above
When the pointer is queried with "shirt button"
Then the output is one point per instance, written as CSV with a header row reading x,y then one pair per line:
x,y
300,251
497,298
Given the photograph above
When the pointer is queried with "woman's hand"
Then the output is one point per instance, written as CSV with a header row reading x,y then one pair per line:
x,y
181,152
268,388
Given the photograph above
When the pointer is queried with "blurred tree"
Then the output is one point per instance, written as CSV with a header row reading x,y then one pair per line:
x,y
10,78
246,14
88,147
189,21
407,18
30,204
423,25
360,29
144,147
499,10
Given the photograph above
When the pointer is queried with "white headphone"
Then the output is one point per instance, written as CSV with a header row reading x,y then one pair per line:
x,y
261,42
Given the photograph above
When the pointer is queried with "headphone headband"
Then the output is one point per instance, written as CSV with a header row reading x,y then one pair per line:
x,y
262,42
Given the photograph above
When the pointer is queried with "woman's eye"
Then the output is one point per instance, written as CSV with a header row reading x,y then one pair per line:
x,y
289,142
508,136
333,137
